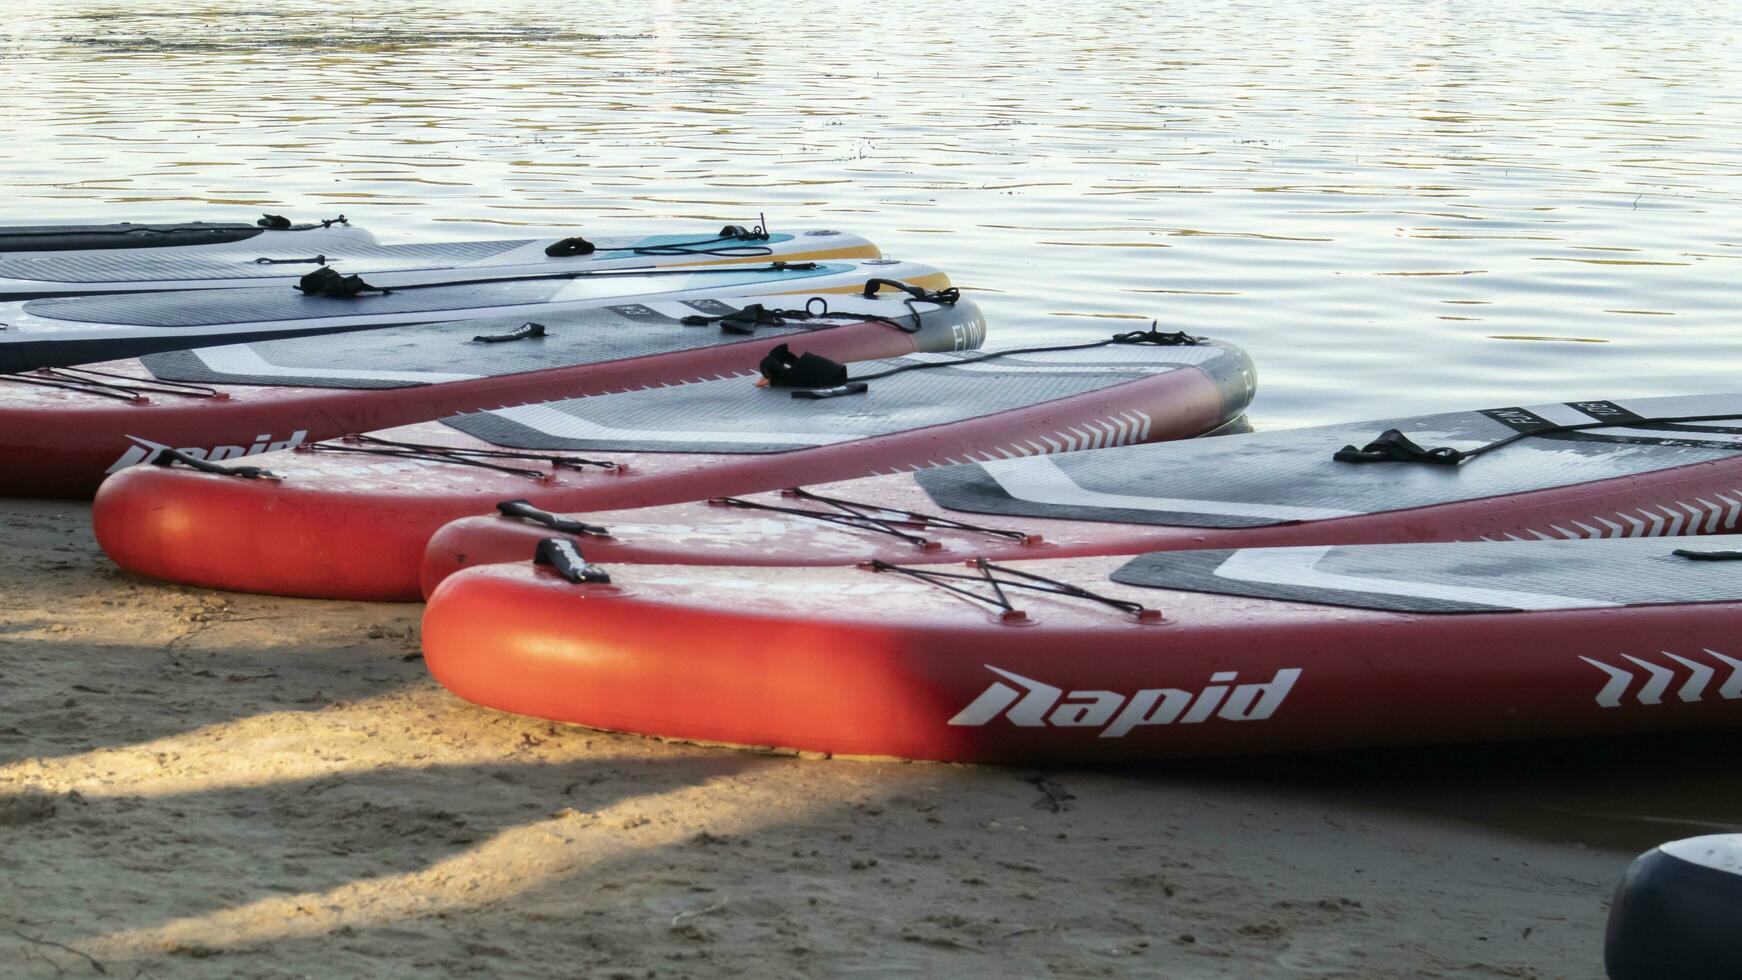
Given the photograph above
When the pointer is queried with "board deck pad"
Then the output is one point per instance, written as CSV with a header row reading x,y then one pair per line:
x,y
1463,577
731,415
359,257
54,238
1271,478
280,303
406,356
241,264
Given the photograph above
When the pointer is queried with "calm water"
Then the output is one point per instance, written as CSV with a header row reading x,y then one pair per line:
x,y
1395,206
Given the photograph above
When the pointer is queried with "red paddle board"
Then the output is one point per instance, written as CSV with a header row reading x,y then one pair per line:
x,y
350,519
1169,654
63,430
1632,479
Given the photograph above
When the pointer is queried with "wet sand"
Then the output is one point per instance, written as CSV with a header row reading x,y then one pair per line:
x,y
214,785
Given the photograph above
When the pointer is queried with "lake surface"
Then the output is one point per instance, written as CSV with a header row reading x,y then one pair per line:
x,y
1396,207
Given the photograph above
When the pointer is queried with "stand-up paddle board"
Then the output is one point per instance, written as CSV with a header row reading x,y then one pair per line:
x,y
350,519
84,330
1677,911
62,430
1112,658
155,241
281,258
1581,470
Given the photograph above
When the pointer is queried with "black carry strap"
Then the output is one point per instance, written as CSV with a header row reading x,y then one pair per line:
x,y
1707,555
330,275
784,369
562,555
567,247
329,283
1393,446
745,321
526,331
525,511
170,457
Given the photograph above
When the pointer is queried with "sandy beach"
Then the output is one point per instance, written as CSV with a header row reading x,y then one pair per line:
x,y
214,785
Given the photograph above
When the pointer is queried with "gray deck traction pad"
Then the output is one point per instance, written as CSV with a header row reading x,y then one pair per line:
x,y
280,303
240,264
1468,577
733,416
54,238
396,357
349,257
1271,478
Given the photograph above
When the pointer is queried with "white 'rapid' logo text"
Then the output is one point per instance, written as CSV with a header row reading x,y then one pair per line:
x,y
144,450
1042,704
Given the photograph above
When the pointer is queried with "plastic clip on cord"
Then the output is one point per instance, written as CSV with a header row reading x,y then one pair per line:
x,y
170,457
562,555
525,511
329,283
1393,446
526,331
1018,580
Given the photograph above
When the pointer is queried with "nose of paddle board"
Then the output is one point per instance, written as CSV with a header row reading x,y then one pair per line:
x,y
1678,913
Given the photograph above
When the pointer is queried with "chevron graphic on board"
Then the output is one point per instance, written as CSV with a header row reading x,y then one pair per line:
x,y
1658,678
1702,515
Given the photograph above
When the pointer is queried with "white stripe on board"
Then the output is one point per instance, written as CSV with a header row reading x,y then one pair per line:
x,y
1299,567
551,422
241,359
1039,480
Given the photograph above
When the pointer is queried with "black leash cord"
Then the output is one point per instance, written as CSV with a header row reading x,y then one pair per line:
x,y
375,446
1022,580
864,517
1134,337
72,379
603,274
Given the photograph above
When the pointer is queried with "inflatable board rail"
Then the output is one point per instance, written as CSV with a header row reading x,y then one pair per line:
x,y
1111,659
63,430
351,519
1589,469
